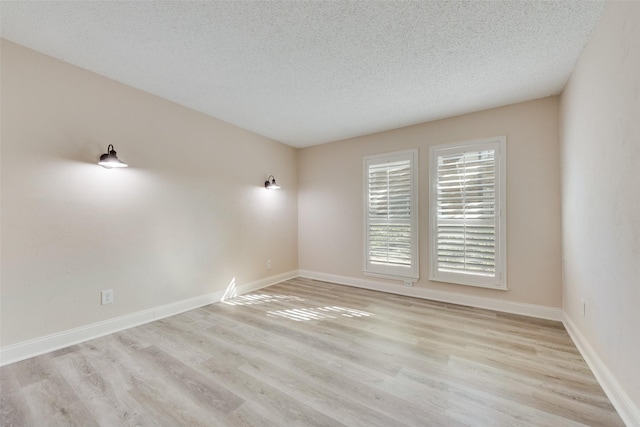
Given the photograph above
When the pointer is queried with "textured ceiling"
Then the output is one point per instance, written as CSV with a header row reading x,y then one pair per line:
x,y
310,72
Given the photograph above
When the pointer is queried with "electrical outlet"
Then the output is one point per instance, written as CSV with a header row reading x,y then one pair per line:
x,y
268,264
583,308
107,296
408,283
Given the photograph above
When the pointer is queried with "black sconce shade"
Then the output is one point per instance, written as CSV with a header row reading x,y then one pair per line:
x,y
270,183
110,160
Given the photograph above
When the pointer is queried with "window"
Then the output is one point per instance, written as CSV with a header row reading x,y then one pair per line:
x,y
467,221
391,209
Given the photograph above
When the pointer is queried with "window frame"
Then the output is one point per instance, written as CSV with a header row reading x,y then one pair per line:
x,y
406,274
499,280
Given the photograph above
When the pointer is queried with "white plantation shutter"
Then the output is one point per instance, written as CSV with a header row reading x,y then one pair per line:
x,y
467,213
391,215
466,217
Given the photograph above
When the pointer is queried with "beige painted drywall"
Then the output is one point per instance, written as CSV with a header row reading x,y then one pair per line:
x,y
330,198
189,215
600,131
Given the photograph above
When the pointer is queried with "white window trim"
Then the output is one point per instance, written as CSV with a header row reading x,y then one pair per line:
x,y
500,280
411,274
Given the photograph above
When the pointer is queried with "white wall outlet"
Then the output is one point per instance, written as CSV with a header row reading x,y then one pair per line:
x,y
408,283
107,296
583,308
268,264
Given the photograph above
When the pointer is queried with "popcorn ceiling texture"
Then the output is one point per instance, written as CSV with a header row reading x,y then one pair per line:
x,y
307,73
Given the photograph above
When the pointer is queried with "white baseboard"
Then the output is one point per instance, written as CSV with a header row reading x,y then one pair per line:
x,y
34,347
628,411
539,311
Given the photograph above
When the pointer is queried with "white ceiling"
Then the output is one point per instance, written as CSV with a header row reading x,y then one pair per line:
x,y
310,72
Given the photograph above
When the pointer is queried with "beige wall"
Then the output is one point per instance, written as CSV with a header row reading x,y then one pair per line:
x,y
601,194
330,198
188,216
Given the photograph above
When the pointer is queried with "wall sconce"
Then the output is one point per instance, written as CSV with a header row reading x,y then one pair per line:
x,y
110,160
270,183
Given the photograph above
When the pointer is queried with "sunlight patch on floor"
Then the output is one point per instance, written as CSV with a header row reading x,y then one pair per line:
x,y
252,299
318,313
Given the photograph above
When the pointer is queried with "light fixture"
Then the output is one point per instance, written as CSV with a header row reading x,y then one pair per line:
x,y
270,183
110,160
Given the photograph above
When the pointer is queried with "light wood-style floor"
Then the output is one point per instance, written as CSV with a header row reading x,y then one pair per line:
x,y
309,353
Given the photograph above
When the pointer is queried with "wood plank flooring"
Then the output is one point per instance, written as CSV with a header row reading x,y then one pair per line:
x,y
309,353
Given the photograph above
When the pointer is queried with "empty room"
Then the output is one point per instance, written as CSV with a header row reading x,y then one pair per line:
x,y
320,213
